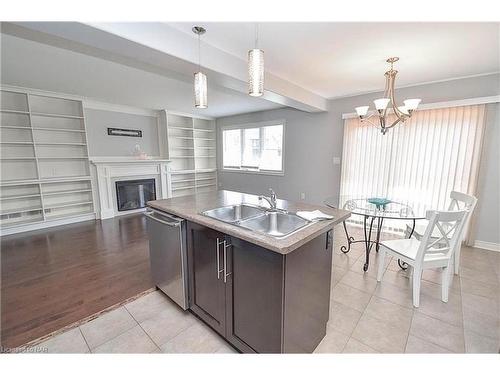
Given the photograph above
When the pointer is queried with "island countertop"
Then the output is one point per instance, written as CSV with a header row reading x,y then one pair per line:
x,y
190,207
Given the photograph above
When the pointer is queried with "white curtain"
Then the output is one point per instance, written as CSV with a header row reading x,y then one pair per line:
x,y
419,162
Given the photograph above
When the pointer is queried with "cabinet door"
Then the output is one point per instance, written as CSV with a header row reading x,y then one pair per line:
x,y
253,297
307,294
206,286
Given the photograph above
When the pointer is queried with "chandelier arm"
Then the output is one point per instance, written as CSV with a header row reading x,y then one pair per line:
x,y
400,115
387,91
397,121
368,121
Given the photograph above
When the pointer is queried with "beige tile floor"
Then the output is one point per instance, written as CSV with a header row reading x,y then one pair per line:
x,y
365,316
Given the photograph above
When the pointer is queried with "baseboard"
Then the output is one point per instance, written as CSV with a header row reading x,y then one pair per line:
x,y
492,246
46,224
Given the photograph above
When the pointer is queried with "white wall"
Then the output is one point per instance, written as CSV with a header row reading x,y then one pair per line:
x,y
312,140
102,144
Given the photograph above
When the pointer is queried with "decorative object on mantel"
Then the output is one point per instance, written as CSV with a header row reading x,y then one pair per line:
x,y
200,79
139,154
256,68
125,132
402,113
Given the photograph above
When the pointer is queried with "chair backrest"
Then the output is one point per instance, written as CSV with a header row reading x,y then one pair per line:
x,y
462,201
450,225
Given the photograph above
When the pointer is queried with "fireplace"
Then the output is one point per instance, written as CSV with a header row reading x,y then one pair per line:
x,y
133,194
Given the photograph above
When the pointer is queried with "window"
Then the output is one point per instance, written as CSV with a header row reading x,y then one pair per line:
x,y
253,147
419,162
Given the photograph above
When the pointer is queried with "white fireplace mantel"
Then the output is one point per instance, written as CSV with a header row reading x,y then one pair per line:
x,y
112,169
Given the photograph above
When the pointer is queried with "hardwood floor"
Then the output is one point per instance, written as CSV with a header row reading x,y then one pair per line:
x,y
55,277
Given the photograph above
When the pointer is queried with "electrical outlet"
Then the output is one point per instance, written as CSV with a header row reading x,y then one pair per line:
x,y
302,196
336,160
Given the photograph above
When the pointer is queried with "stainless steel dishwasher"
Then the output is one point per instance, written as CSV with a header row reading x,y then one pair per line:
x,y
168,254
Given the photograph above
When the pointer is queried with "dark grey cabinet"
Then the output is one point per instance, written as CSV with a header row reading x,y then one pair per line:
x,y
267,302
254,293
206,287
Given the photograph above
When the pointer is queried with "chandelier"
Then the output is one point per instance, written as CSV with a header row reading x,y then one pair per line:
x,y
402,113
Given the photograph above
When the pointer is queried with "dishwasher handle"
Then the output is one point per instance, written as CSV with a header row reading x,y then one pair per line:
x,y
150,215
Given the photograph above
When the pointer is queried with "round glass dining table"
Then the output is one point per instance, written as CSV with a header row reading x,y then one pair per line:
x,y
376,210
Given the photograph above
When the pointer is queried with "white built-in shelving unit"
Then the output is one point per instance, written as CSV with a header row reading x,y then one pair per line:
x,y
45,173
192,151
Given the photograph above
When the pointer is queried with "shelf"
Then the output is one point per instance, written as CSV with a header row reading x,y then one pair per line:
x,y
36,181
60,130
182,148
65,179
16,143
21,210
60,144
62,157
67,205
186,171
22,222
198,186
50,217
206,147
184,188
14,111
15,127
179,128
20,158
204,130
188,180
62,192
194,138
56,115
19,197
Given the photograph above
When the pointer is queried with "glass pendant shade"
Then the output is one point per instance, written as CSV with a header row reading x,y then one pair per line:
x,y
381,104
362,111
255,72
200,90
412,104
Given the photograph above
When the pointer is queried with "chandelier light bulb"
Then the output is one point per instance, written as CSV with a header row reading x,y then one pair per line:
x,y
412,104
381,104
362,111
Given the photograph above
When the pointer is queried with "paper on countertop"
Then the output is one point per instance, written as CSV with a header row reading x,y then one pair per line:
x,y
314,215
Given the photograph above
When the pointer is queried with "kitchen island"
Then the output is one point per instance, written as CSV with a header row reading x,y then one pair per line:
x,y
263,294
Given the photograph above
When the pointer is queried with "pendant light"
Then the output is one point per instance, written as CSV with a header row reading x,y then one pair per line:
x,y
256,68
200,79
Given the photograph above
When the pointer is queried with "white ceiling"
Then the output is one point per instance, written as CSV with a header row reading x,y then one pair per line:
x,y
31,64
339,59
150,65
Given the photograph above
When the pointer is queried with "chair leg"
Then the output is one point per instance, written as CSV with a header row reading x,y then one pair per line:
x,y
381,262
445,282
417,276
456,258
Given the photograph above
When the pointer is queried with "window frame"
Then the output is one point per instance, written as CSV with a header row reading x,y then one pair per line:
x,y
248,169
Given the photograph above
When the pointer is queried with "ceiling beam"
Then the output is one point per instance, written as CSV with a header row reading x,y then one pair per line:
x,y
164,50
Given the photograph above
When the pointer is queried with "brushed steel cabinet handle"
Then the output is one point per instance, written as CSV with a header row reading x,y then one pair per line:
x,y
226,274
150,216
219,242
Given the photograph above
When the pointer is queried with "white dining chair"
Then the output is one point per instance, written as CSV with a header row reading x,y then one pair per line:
x,y
459,201
423,254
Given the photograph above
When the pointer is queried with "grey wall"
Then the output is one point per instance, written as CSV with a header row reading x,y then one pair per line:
x,y
312,140
102,144
488,205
